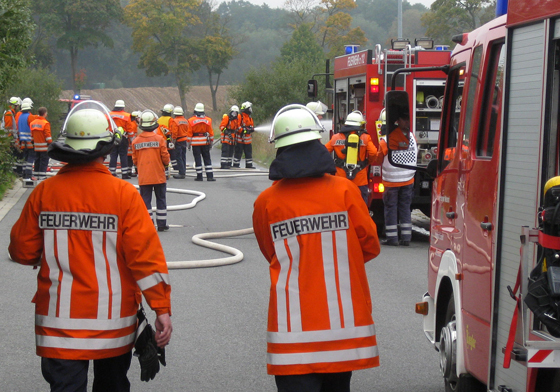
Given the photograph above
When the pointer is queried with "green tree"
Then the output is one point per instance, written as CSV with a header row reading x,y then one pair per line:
x,y
77,24
270,88
16,29
447,18
164,33
215,49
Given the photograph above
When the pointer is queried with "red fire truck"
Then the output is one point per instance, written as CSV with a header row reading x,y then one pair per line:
x,y
362,79
496,150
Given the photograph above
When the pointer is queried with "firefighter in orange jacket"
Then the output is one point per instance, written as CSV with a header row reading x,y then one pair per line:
x,y
230,125
134,118
201,136
179,130
244,137
366,154
149,154
320,327
41,132
10,128
123,120
97,252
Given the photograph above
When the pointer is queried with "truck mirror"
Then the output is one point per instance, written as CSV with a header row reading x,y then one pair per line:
x,y
312,88
431,170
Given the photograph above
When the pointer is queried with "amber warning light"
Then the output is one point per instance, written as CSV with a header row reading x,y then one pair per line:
x,y
422,308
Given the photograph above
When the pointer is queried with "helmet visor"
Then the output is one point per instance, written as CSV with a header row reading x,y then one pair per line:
x,y
87,123
281,113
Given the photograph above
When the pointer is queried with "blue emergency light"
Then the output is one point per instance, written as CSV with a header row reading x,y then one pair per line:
x,y
501,7
76,97
442,47
349,49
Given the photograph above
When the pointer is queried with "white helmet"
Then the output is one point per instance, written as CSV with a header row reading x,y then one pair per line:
x,y
135,114
16,101
317,107
89,133
119,104
26,104
382,115
199,107
168,108
178,111
148,120
294,124
355,118
247,107
234,108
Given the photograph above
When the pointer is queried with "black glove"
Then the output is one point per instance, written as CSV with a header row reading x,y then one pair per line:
x,y
145,348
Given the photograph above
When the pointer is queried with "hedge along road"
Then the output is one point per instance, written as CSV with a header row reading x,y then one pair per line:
x,y
219,313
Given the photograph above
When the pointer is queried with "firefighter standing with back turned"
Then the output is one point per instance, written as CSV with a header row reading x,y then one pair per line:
x,y
123,120
149,154
229,126
244,140
97,252
201,136
398,182
24,120
41,132
320,327
10,128
354,151
179,130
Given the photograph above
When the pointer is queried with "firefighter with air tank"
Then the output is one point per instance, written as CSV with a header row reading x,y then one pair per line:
x,y
230,125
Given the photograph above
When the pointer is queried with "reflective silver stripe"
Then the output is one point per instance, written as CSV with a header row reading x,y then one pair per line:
x,y
281,301
330,335
48,238
116,289
330,279
344,278
293,286
65,298
83,344
88,324
101,275
152,280
323,356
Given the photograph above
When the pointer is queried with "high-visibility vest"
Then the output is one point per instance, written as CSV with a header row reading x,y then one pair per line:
x,y
24,130
97,250
319,318
246,123
200,131
229,128
406,157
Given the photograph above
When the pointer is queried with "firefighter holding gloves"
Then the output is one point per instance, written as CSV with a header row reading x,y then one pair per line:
x,y
398,182
354,151
230,125
149,154
317,252
244,137
88,233
201,136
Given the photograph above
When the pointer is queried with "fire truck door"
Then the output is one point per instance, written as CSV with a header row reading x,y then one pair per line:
x,y
477,184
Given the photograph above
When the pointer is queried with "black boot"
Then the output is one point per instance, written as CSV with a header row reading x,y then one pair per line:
x,y
210,177
198,177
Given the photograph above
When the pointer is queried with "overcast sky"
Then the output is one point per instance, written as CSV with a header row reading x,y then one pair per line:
x,y
280,3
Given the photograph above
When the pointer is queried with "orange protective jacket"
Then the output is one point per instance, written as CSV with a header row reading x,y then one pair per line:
x,y
150,156
134,130
198,128
9,121
41,133
367,152
123,120
319,315
97,251
229,128
179,128
246,122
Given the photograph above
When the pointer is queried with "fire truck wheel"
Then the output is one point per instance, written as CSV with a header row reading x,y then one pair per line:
x,y
448,357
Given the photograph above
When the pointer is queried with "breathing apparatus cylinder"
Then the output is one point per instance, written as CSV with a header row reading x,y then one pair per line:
x,y
352,151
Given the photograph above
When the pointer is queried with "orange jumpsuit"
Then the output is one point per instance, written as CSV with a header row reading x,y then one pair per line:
x,y
319,315
229,128
150,156
97,251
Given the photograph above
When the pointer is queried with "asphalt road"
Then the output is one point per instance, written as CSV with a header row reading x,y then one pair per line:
x,y
219,314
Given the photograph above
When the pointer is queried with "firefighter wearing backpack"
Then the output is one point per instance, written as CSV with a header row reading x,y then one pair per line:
x,y
354,151
398,182
320,327
201,136
123,120
244,138
164,122
230,125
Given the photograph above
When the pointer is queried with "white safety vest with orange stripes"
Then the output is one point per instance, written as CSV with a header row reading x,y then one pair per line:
x,y
319,318
97,250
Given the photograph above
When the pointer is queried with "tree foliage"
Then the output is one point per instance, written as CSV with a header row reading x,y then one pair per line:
x,y
77,24
16,27
450,17
270,88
